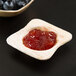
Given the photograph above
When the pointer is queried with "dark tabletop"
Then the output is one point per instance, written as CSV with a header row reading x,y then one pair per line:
x,y
61,13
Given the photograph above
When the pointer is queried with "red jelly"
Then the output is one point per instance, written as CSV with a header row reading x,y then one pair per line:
x,y
40,40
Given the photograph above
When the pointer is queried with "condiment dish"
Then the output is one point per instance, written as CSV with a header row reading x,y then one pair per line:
x,y
10,13
15,40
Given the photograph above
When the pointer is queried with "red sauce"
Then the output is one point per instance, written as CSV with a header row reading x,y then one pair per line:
x,y
39,40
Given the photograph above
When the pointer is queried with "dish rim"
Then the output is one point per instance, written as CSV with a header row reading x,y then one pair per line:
x,y
13,11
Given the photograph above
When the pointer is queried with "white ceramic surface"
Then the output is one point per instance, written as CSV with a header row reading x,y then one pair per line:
x,y
15,40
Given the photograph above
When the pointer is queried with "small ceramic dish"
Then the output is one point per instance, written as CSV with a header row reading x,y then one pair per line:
x,y
15,40
10,13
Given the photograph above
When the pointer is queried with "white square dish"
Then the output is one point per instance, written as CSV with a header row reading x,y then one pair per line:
x,y
15,40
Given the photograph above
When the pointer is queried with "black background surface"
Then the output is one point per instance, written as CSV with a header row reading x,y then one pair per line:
x,y
61,13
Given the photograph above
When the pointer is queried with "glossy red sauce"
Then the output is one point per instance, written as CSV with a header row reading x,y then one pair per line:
x,y
40,40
